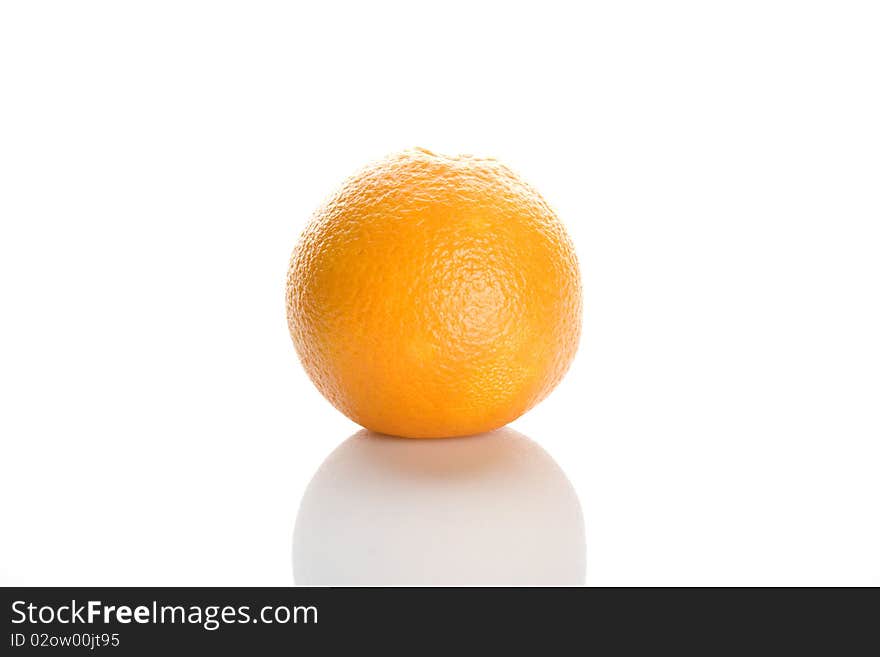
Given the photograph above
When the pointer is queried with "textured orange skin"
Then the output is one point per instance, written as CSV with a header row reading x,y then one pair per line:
x,y
434,296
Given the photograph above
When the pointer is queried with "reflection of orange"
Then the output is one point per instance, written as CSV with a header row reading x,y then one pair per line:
x,y
434,296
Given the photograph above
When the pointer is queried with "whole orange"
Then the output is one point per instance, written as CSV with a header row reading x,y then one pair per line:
x,y
434,296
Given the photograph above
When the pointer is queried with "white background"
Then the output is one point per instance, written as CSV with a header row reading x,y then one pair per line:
x,y
717,165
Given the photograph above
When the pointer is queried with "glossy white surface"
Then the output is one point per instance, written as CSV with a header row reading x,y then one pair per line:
x,y
716,165
493,509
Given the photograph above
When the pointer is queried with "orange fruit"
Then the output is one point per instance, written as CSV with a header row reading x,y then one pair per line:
x,y
434,296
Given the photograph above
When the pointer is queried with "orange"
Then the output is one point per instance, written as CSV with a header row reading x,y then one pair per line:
x,y
434,296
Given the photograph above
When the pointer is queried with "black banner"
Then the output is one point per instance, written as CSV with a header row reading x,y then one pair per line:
x,y
121,621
